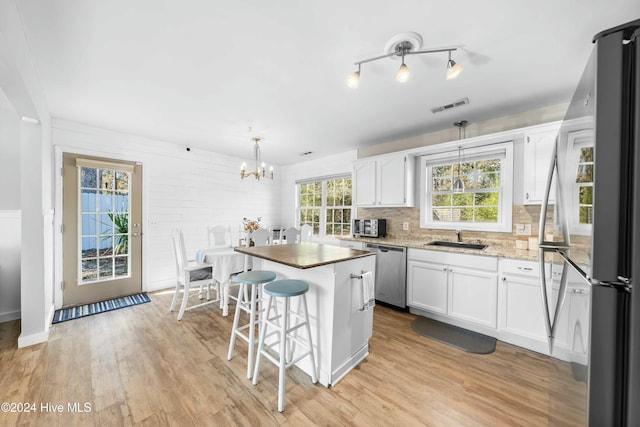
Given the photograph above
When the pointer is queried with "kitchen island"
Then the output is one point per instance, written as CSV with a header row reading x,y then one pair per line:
x,y
340,329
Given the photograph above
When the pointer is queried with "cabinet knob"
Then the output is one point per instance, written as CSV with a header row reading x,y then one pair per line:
x,y
445,269
527,195
504,279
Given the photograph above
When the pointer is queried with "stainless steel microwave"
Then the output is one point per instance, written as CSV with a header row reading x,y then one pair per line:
x,y
369,227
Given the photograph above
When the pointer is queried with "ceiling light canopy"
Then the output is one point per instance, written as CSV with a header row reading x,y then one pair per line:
x,y
259,171
400,46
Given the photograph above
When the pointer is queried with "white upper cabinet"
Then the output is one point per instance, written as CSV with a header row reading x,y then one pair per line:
x,y
538,149
384,181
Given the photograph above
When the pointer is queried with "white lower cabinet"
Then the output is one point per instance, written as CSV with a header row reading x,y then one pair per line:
x,y
521,315
427,286
457,287
474,295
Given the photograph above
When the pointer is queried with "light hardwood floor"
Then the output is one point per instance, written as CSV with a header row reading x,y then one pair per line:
x,y
140,366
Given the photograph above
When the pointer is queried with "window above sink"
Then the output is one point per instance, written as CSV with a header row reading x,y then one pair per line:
x,y
486,202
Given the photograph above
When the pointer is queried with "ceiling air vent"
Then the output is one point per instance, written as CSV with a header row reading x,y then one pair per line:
x,y
454,104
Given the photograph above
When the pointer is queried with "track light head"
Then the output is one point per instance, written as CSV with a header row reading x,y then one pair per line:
x,y
403,74
354,79
453,69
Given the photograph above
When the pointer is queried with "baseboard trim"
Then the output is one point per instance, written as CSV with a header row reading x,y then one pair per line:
x,y
9,316
33,339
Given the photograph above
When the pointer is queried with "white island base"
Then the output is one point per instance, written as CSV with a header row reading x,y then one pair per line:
x,y
340,330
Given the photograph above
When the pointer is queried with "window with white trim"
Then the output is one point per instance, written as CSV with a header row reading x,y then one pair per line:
x,y
485,203
325,204
581,199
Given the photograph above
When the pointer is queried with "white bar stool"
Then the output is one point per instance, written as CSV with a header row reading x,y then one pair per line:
x,y
286,289
248,291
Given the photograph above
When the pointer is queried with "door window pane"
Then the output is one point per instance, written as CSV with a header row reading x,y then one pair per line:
x,y
104,224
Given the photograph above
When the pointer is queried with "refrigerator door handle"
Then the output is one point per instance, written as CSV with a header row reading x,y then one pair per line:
x,y
551,324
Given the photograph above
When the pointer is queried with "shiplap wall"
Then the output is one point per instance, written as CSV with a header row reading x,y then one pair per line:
x,y
187,190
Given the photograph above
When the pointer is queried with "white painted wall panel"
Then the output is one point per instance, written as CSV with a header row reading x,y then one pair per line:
x,y
9,159
9,265
187,190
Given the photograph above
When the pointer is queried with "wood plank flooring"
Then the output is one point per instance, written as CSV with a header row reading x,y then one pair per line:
x,y
140,366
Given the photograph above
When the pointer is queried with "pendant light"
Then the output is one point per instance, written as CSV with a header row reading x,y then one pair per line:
x,y
458,185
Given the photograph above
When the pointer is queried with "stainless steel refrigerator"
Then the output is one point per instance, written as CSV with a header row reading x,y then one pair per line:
x,y
589,239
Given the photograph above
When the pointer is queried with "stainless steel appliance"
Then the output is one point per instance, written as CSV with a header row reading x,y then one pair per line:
x,y
369,227
391,274
590,235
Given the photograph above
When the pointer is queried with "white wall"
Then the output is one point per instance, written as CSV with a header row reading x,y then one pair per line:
x,y
9,159
188,190
9,265
330,165
10,239
21,86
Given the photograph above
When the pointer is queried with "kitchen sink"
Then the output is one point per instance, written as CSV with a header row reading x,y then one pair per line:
x,y
459,245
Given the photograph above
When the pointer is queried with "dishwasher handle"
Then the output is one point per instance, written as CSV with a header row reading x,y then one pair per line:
x,y
387,248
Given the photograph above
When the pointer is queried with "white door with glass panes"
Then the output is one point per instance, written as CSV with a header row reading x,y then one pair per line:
x,y
102,243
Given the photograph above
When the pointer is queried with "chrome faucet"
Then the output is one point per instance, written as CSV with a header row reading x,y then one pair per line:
x,y
459,234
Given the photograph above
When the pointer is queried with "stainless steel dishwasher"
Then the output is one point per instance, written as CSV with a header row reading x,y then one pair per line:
x,y
391,274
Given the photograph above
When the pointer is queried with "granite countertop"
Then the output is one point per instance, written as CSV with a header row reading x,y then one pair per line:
x,y
502,251
304,255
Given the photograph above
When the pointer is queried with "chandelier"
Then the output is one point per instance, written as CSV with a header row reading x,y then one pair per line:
x,y
259,171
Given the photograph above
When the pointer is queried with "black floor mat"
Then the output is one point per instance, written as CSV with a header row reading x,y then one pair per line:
x,y
463,339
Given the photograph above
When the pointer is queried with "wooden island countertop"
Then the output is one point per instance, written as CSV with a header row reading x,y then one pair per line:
x,y
304,255
340,326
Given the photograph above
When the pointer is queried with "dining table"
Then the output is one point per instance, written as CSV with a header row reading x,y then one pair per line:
x,y
225,262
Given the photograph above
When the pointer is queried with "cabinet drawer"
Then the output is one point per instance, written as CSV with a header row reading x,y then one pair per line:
x,y
478,262
522,268
353,245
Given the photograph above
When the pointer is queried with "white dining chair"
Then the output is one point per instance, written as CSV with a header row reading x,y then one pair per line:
x,y
190,273
276,235
219,236
306,233
260,237
291,235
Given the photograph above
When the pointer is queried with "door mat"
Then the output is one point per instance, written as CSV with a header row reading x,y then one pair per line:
x,y
79,311
463,339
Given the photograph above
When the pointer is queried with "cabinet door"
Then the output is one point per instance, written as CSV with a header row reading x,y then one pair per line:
x,y
521,309
391,181
364,188
427,286
538,148
473,296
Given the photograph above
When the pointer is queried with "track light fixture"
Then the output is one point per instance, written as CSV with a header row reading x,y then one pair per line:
x,y
400,46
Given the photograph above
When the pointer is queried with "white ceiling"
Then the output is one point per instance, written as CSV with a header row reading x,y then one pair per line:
x,y
200,72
